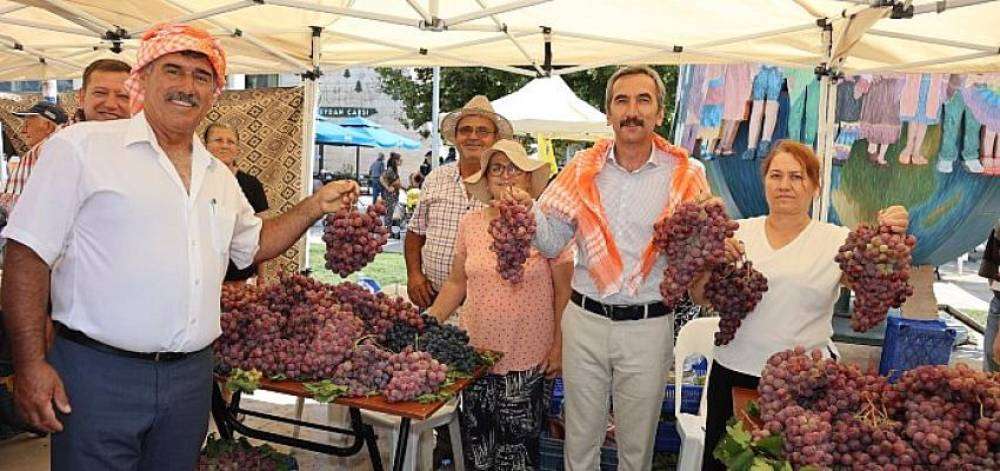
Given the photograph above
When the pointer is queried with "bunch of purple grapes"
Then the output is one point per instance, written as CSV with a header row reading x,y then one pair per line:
x,y
934,417
413,374
693,240
512,231
733,290
239,455
876,262
365,371
353,238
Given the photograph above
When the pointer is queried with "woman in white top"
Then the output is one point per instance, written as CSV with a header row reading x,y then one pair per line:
x,y
796,254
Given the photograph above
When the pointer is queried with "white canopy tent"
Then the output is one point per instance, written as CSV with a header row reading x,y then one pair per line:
x,y
548,107
44,39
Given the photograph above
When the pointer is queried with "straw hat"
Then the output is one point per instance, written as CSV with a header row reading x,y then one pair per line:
x,y
479,105
479,188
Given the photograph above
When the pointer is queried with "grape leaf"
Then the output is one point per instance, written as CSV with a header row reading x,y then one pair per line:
x,y
737,432
741,462
760,464
771,445
434,397
325,391
243,381
753,409
278,377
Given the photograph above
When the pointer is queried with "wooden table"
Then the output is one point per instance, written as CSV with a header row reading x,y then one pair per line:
x,y
226,414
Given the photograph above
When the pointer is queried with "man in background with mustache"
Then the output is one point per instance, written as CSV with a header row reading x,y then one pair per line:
x,y
134,222
617,334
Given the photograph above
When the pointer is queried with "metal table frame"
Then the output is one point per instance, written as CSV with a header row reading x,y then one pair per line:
x,y
226,420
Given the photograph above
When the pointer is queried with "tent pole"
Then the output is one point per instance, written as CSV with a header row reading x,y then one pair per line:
x,y
435,117
15,45
364,15
927,39
357,163
415,5
503,8
310,102
200,15
948,60
827,120
48,27
77,15
517,44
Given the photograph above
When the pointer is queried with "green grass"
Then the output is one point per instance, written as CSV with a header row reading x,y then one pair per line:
x,y
386,269
979,316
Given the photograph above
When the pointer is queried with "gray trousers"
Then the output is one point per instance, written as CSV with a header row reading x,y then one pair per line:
x,y
130,414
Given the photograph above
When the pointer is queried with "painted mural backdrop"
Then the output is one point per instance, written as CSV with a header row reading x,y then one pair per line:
x,y
926,141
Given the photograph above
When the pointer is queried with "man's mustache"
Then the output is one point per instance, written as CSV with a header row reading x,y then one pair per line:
x,y
188,98
632,122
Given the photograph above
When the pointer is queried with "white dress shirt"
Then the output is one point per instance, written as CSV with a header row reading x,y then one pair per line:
x,y
632,201
137,261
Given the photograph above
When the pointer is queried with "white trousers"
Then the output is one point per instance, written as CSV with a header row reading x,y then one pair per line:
x,y
627,360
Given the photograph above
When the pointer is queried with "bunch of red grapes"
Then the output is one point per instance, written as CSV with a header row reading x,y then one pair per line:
x,y
876,262
512,231
733,290
413,374
834,416
693,240
353,238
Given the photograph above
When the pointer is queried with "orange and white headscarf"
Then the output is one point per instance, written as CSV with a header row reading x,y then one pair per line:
x,y
164,39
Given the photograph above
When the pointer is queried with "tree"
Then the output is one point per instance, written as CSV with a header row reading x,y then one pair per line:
x,y
414,88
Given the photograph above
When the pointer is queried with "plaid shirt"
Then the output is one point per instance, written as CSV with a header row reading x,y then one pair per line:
x,y
15,184
443,202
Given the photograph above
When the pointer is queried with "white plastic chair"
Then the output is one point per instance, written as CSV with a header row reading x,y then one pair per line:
x,y
448,414
697,337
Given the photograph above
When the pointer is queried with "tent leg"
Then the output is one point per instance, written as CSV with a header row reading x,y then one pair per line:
x,y
357,164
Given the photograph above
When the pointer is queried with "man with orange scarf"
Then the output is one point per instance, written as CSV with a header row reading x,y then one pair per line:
x,y
140,224
617,335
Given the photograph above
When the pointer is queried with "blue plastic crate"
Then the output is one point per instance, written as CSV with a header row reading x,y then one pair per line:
x,y
910,343
551,450
690,399
667,438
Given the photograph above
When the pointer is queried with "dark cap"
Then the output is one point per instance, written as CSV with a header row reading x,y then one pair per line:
x,y
47,110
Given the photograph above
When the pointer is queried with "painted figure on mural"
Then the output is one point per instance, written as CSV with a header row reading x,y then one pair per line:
x,y
880,123
959,130
919,107
736,90
764,111
983,100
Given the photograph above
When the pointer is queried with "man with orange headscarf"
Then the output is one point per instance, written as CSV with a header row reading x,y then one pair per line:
x,y
140,224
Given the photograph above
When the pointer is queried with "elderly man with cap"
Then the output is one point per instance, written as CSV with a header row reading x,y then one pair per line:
x,y
40,121
430,237
140,223
617,334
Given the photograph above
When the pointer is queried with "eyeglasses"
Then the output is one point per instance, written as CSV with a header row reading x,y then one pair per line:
x,y
469,130
510,169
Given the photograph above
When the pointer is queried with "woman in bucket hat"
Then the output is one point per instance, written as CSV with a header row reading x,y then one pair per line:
x,y
503,413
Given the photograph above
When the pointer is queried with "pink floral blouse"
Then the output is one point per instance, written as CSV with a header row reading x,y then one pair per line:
x,y
517,320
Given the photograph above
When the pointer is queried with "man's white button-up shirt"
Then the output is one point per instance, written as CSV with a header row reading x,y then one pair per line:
x,y
137,260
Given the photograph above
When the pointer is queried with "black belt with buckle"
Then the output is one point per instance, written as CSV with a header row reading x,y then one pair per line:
x,y
79,337
621,312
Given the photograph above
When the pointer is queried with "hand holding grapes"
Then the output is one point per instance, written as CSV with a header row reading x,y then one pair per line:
x,y
517,195
895,217
336,194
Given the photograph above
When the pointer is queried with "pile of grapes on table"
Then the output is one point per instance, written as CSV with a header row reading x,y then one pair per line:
x,y
816,413
341,340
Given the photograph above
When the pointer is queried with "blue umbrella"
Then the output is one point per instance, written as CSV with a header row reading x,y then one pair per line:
x,y
330,133
381,137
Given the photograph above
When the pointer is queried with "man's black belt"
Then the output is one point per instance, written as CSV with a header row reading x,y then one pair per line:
x,y
82,339
621,312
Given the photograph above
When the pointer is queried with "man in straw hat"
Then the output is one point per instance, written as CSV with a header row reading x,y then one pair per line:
x,y
617,334
430,236
127,383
